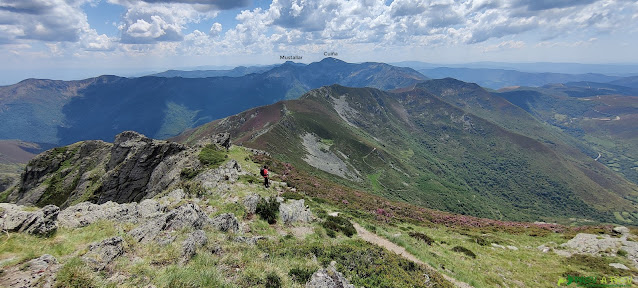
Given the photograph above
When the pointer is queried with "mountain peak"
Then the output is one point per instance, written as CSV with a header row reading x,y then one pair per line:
x,y
331,60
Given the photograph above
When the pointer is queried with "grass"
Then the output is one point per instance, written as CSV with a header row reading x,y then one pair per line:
x,y
283,260
212,156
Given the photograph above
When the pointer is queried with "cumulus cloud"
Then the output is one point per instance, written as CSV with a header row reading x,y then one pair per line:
x,y
314,25
52,20
216,29
147,22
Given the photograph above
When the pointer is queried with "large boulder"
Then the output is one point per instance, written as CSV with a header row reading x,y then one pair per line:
x,y
250,202
42,222
102,253
213,179
328,278
186,216
226,222
294,211
189,246
86,213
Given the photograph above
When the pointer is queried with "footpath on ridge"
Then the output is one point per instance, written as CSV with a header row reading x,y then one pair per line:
x,y
380,241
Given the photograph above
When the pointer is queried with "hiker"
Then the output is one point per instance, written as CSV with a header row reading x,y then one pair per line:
x,y
264,173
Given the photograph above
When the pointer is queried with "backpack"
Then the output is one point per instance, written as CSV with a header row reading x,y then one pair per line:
x,y
262,172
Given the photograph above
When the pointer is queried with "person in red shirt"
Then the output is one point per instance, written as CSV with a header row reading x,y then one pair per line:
x,y
264,173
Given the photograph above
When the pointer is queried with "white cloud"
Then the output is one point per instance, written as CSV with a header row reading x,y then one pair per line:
x,y
216,29
42,20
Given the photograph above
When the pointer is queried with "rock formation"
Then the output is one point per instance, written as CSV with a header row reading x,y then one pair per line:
x,y
42,222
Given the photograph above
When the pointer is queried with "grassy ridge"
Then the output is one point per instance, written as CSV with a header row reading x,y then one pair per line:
x,y
432,147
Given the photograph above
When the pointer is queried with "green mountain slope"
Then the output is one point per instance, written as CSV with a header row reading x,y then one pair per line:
x,y
430,146
605,122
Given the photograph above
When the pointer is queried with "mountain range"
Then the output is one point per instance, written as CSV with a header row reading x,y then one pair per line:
x,y
443,144
63,112
436,145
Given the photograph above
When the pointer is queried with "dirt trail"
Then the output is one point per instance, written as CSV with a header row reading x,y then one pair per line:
x,y
377,240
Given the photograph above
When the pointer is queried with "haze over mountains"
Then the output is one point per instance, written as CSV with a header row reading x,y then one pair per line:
x,y
63,112
444,144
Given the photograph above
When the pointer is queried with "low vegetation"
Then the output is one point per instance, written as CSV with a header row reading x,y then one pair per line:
x,y
212,156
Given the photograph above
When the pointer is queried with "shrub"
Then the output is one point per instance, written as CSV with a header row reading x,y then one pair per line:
x,y
622,253
300,275
268,210
188,173
211,156
273,280
423,237
339,224
464,250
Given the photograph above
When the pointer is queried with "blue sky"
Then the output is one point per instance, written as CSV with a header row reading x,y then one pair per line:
x,y
73,39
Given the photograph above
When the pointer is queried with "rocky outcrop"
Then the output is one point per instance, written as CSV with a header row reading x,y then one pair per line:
x,y
61,175
39,272
600,245
250,202
86,213
328,278
294,211
218,179
186,216
225,222
131,169
42,222
189,246
221,139
102,253
133,160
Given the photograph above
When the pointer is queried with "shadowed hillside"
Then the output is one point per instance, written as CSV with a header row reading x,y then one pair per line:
x,y
63,112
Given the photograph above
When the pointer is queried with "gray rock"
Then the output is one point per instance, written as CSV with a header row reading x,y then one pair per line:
x,y
294,211
250,202
619,266
248,240
226,222
328,278
86,213
86,158
213,180
498,246
622,230
39,272
186,216
604,245
134,157
102,253
512,247
131,169
189,246
42,222
176,195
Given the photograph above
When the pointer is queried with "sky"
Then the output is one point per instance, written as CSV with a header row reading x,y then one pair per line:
x,y
75,39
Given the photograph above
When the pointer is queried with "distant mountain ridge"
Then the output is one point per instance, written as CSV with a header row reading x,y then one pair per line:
x,y
63,112
235,72
499,78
